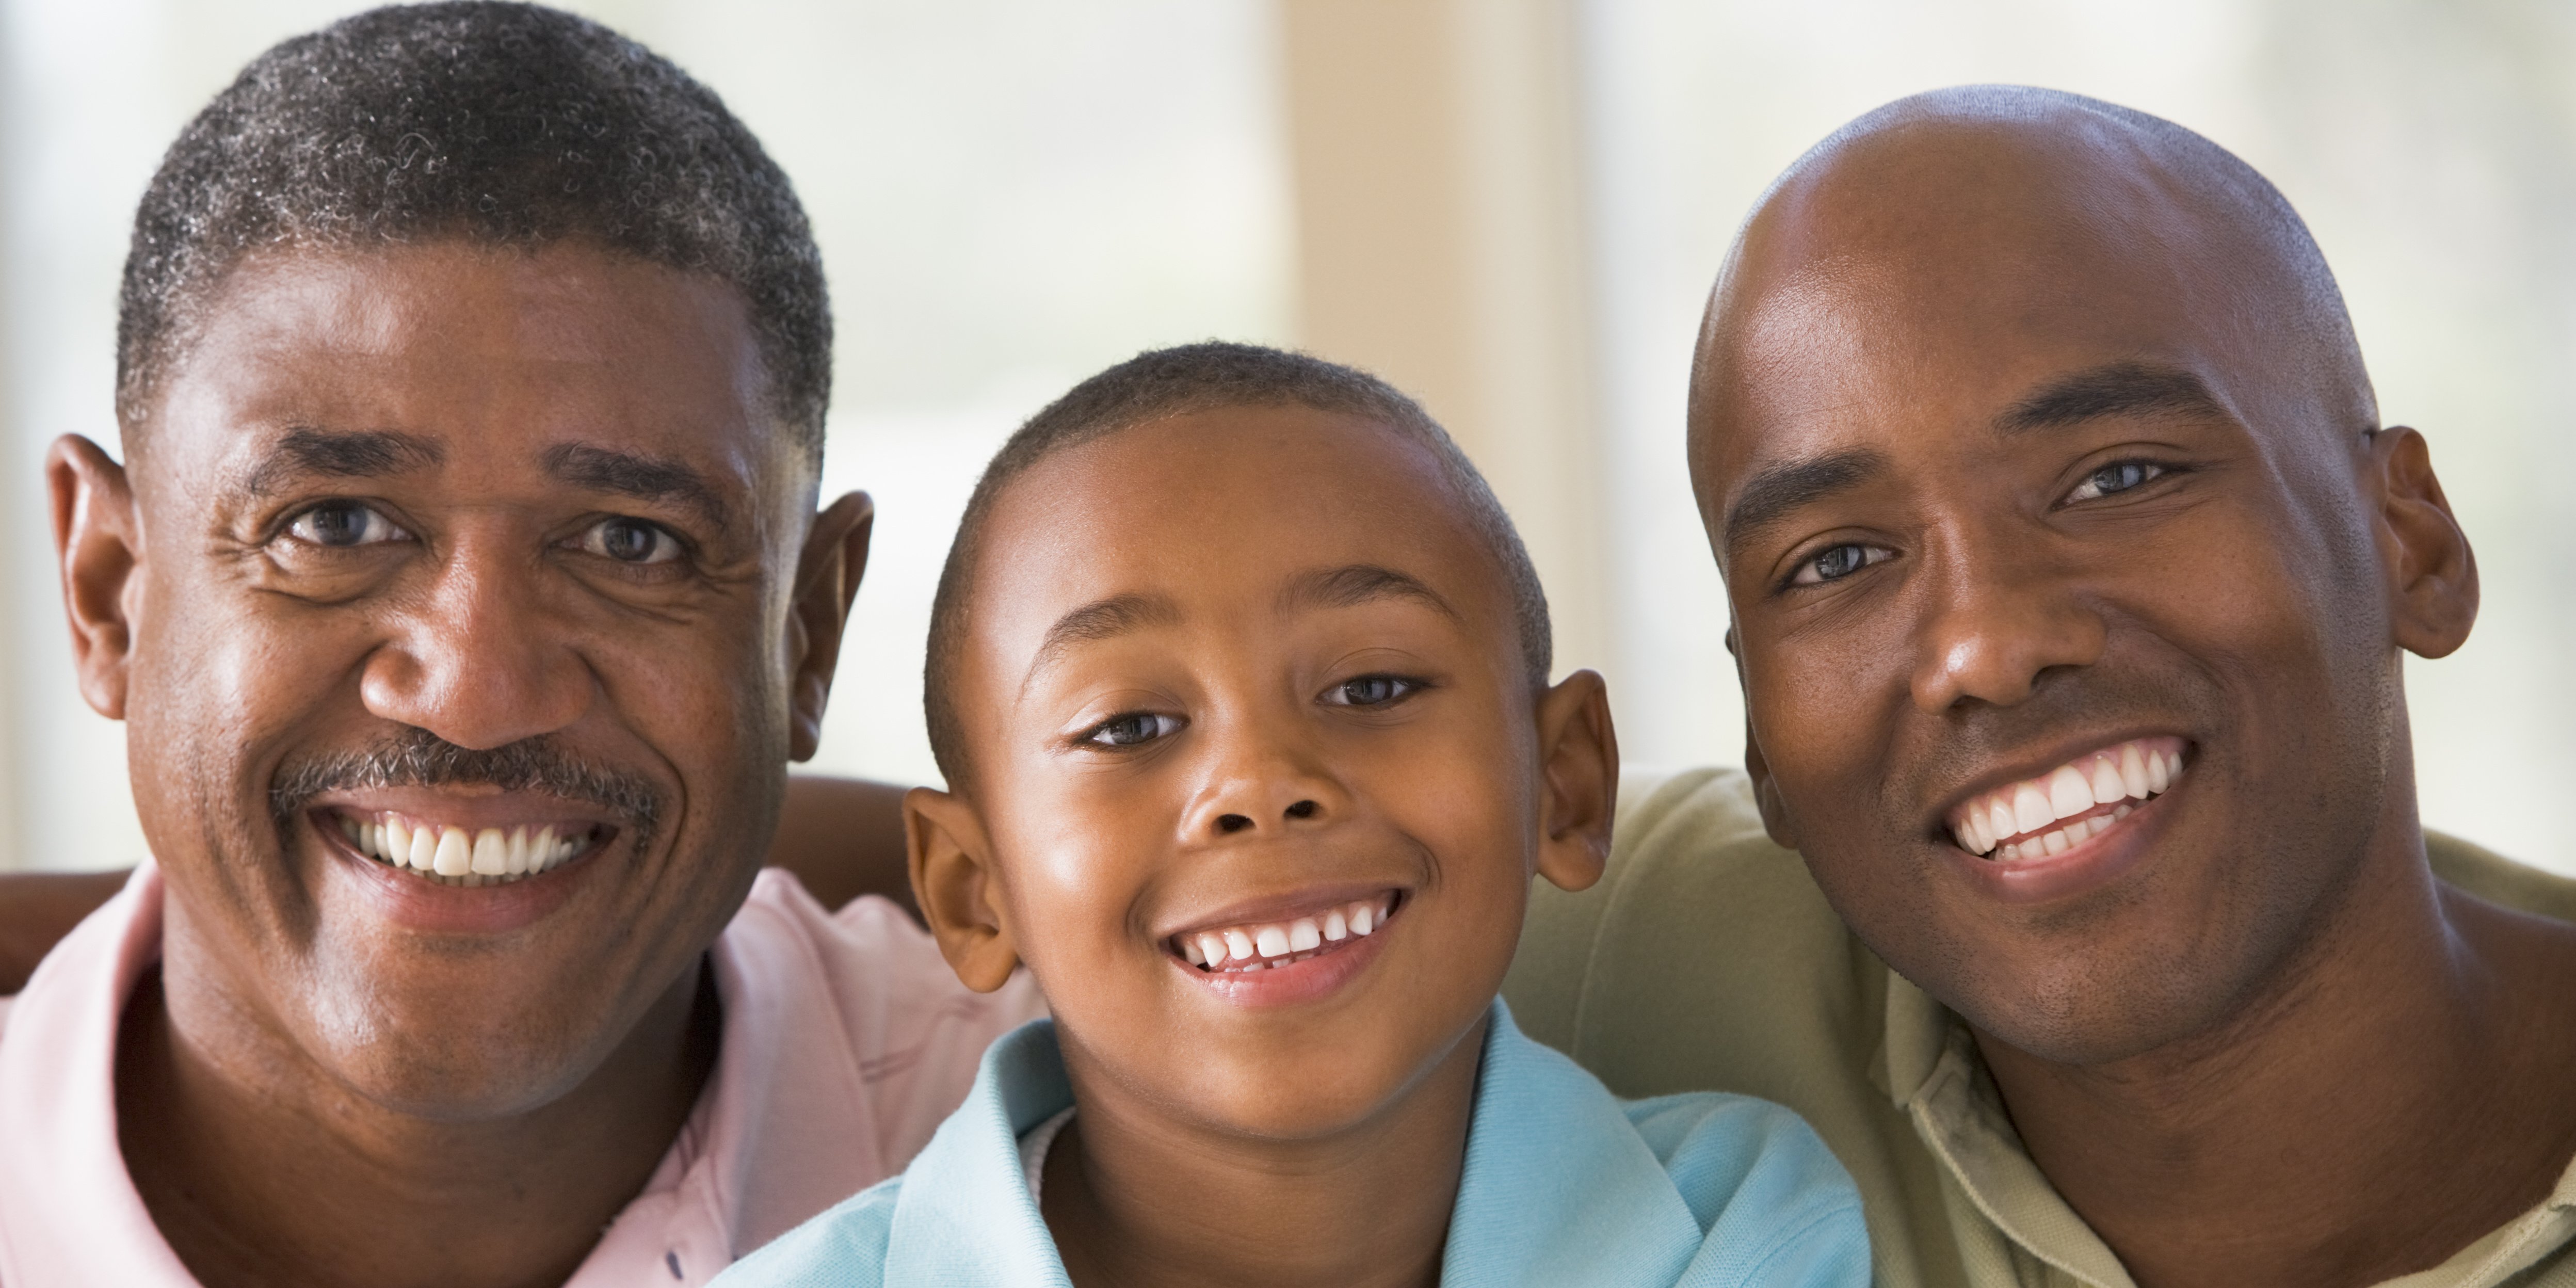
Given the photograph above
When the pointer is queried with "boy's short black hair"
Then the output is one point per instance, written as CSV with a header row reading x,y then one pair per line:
x,y
1196,378
507,124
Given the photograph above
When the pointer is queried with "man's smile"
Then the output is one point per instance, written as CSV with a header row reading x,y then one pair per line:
x,y
2063,809
464,856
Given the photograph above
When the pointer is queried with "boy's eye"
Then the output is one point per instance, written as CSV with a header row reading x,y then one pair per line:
x,y
631,541
1371,691
1838,562
1133,729
342,524
2119,476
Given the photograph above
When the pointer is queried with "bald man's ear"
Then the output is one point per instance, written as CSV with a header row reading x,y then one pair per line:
x,y
97,547
2432,574
827,579
1579,767
954,881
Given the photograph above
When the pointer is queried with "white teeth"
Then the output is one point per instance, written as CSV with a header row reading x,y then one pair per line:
x,y
2133,771
1304,934
2055,842
545,851
2030,809
455,855
2158,776
491,853
424,848
1999,821
2107,787
2068,793
514,856
1268,945
397,842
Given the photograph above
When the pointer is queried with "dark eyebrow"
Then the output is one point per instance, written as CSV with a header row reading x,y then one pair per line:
x,y
645,478
1354,584
1776,490
334,454
1102,619
2126,388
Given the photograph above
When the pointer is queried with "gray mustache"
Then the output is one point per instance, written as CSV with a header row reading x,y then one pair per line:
x,y
419,758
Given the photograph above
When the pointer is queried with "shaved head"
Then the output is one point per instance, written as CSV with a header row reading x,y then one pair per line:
x,y
1994,206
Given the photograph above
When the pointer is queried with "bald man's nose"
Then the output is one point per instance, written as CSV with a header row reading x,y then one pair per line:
x,y
1996,624
481,662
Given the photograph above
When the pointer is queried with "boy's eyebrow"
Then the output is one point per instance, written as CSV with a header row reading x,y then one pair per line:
x,y
1101,619
1353,584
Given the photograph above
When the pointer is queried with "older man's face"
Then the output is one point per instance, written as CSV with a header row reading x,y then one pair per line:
x,y
2063,594
467,645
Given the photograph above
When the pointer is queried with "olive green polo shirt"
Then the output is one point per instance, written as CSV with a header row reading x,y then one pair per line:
x,y
1707,959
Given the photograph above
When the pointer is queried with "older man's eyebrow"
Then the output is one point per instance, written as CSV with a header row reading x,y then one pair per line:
x,y
645,478
1354,584
1103,619
2126,388
369,453
1777,490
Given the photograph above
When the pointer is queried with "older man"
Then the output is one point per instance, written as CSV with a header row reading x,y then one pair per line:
x,y
464,595
2071,568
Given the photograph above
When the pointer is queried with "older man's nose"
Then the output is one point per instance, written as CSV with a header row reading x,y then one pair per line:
x,y
481,662
1995,624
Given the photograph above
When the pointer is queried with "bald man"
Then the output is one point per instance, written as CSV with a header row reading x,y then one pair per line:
x,y
2071,569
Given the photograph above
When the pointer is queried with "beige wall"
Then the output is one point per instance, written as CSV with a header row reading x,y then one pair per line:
x,y
1440,243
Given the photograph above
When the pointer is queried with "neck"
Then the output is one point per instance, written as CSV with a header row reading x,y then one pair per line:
x,y
1137,1200
260,1168
2396,1092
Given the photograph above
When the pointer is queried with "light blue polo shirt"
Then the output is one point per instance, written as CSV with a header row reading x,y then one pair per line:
x,y
1565,1185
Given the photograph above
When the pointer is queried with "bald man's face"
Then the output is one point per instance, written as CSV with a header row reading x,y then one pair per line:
x,y
2066,614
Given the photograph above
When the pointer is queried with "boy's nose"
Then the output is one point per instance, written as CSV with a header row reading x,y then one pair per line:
x,y
1269,789
1296,810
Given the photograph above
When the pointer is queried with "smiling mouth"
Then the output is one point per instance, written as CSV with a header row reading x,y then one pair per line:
x,y
1266,945
2067,806
455,856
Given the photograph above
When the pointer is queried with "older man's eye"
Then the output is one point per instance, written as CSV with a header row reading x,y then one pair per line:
x,y
1134,729
631,541
344,523
1838,562
2115,478
1371,691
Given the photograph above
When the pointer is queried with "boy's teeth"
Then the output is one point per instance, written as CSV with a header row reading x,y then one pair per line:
x,y
2014,822
453,856
1278,943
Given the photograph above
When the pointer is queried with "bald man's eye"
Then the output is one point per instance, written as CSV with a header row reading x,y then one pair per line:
x,y
631,541
1134,729
1838,562
2116,478
1371,691
340,524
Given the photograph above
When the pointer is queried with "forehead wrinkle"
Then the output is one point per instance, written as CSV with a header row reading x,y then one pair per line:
x,y
1100,619
1777,490
2122,388
1354,584
646,478
308,451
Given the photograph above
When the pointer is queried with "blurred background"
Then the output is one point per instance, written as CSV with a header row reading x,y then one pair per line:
x,y
1512,208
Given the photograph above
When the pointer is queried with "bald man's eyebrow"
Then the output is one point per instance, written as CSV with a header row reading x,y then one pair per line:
x,y
1776,491
1354,584
646,478
2112,389
1103,619
327,453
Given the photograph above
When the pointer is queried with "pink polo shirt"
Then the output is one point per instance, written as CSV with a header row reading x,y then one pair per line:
x,y
846,1041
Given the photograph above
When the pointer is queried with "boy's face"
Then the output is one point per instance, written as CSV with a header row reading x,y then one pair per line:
x,y
1246,679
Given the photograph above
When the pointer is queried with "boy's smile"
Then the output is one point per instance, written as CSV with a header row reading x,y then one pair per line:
x,y
1251,743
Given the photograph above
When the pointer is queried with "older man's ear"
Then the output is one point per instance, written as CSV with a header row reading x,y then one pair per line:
x,y
827,580
97,543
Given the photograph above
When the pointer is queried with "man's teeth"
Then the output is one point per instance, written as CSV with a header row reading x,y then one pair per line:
x,y
2014,822
1279,943
454,856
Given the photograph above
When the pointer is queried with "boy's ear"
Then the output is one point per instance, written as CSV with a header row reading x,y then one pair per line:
x,y
827,579
97,547
1579,762
953,880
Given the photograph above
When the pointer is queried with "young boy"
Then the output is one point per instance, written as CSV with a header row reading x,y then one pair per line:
x,y
1238,675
